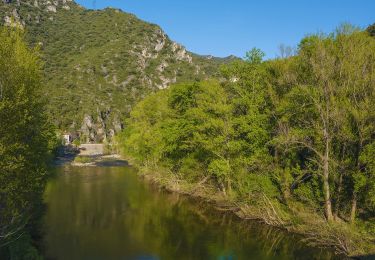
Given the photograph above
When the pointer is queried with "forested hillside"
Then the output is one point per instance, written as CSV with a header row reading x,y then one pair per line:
x,y
99,63
290,141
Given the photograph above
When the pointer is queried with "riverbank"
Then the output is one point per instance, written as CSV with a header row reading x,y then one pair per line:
x,y
86,155
348,240
345,239
98,160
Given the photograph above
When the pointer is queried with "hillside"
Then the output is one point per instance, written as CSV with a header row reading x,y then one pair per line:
x,y
98,64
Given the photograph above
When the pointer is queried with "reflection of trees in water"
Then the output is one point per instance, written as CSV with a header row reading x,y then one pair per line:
x,y
234,234
109,210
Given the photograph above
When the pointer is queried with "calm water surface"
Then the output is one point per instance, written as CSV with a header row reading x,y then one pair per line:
x,y
109,213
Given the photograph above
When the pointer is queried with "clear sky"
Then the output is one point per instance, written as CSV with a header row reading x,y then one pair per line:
x,y
225,27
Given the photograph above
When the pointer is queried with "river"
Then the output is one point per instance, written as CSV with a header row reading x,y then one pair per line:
x,y
110,213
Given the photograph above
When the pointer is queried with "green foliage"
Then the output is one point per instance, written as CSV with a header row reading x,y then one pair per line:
x,y
83,159
293,130
26,137
77,142
324,116
142,136
366,185
198,126
22,249
255,56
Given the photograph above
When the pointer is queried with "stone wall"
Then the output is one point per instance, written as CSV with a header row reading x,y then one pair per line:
x,y
91,149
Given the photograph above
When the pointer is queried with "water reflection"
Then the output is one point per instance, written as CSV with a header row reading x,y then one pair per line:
x,y
108,213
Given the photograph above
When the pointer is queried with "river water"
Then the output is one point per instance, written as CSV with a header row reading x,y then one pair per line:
x,y
109,213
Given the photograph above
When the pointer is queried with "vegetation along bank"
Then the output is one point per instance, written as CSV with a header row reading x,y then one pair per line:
x,y
27,141
289,141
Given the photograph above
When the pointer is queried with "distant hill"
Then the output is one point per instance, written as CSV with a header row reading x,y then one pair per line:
x,y
99,63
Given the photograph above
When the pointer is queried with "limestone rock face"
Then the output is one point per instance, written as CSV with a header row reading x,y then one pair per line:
x,y
181,53
51,8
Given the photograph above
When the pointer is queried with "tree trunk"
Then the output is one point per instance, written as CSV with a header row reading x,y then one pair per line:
x,y
285,187
337,205
286,192
223,189
339,188
327,196
354,208
229,185
354,200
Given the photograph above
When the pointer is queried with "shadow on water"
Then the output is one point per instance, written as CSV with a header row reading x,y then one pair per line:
x,y
108,213
364,257
65,155
111,163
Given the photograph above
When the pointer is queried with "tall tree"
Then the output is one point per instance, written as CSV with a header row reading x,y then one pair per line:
x,y
311,107
25,136
356,70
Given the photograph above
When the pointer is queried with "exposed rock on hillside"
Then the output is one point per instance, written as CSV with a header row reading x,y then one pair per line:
x,y
99,63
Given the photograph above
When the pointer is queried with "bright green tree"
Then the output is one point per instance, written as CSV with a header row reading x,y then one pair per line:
x,y
25,137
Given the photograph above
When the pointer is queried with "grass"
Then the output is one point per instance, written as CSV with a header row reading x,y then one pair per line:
x,y
84,159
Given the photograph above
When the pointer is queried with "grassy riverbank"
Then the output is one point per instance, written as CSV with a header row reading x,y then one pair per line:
x,y
346,239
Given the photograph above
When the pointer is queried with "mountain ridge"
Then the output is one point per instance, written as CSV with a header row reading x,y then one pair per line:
x,y
99,63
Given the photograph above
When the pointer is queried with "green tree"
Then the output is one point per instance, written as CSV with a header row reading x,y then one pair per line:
x,y
142,138
247,88
201,130
326,114
25,136
255,56
279,136
356,68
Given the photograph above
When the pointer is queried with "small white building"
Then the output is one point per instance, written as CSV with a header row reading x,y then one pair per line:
x,y
67,139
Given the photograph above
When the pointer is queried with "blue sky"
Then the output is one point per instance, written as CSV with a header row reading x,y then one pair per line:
x,y
225,27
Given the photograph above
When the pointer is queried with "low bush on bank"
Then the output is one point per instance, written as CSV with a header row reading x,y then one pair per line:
x,y
84,159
